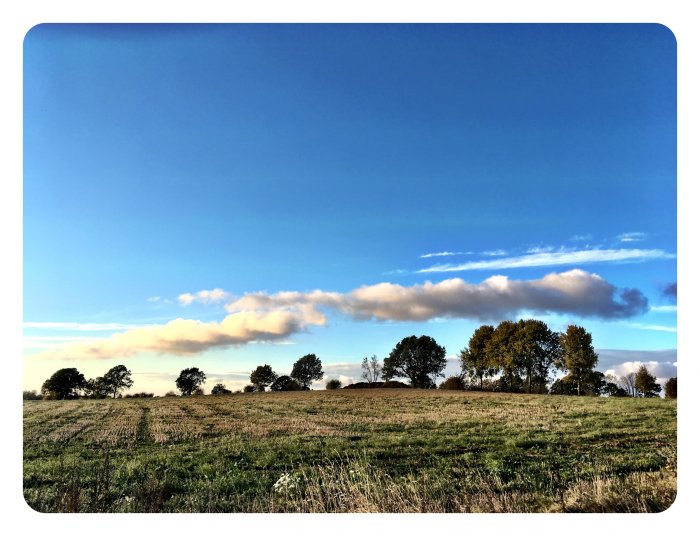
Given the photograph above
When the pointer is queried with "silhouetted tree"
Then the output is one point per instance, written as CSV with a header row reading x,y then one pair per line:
x,y
117,379
477,363
220,389
419,359
64,383
306,370
577,355
189,380
250,388
646,383
371,369
333,384
285,383
671,387
262,376
96,388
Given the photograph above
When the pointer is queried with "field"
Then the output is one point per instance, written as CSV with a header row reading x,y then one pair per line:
x,y
382,450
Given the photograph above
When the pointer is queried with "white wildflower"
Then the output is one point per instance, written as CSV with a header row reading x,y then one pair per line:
x,y
285,483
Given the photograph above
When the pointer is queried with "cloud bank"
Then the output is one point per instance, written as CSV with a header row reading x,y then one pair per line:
x,y
260,316
587,256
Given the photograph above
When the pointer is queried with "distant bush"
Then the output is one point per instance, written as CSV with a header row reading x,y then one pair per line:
x,y
453,383
198,391
30,395
333,384
170,393
671,387
250,388
393,384
364,385
220,389
285,383
139,395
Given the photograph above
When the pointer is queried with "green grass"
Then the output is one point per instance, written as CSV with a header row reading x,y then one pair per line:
x,y
351,450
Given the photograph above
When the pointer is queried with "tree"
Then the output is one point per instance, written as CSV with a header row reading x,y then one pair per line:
x,y
502,352
577,355
420,359
629,383
537,348
96,388
476,362
333,384
189,380
670,387
646,383
371,369
262,376
64,383
285,383
453,383
306,370
117,379
220,389
30,395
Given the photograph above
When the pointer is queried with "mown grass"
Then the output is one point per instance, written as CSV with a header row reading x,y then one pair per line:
x,y
351,451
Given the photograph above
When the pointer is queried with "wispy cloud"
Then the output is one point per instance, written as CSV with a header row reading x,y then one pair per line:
x,y
578,257
654,327
445,254
581,238
632,237
494,253
663,308
204,296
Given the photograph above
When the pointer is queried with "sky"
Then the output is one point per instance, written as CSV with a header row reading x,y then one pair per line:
x,y
226,196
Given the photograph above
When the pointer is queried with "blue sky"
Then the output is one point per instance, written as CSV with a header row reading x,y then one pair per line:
x,y
163,161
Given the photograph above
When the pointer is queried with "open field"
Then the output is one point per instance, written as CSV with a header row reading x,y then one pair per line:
x,y
382,450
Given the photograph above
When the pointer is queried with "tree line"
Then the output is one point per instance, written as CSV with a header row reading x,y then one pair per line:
x,y
517,357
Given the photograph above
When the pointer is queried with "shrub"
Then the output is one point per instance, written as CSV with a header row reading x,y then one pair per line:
x,y
333,384
30,395
285,383
453,383
220,389
250,388
671,387
170,393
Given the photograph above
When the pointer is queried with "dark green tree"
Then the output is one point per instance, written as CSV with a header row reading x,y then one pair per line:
x,y
537,349
117,379
671,387
285,383
333,384
64,383
502,350
220,389
262,376
420,359
577,355
476,361
306,370
189,380
646,383
96,388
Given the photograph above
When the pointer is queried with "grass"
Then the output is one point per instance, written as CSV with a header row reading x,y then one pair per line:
x,y
383,450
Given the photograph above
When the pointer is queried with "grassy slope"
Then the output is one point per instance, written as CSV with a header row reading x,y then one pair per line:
x,y
361,450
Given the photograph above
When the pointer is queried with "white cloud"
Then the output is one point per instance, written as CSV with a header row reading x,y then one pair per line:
x,y
654,327
494,253
204,296
555,258
632,237
581,238
445,254
662,370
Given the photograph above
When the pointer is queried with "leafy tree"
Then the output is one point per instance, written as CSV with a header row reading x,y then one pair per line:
x,y
96,388
476,361
453,383
502,350
671,387
333,384
220,389
64,383
577,355
537,349
117,379
262,376
646,383
371,369
189,380
613,386
306,370
285,383
419,359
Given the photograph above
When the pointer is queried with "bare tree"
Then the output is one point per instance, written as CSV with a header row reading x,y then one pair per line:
x,y
629,383
371,369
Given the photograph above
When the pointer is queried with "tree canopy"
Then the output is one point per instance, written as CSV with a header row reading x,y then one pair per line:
x,y
117,379
262,376
476,362
285,383
189,380
577,355
646,383
371,369
64,383
420,359
306,370
671,387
